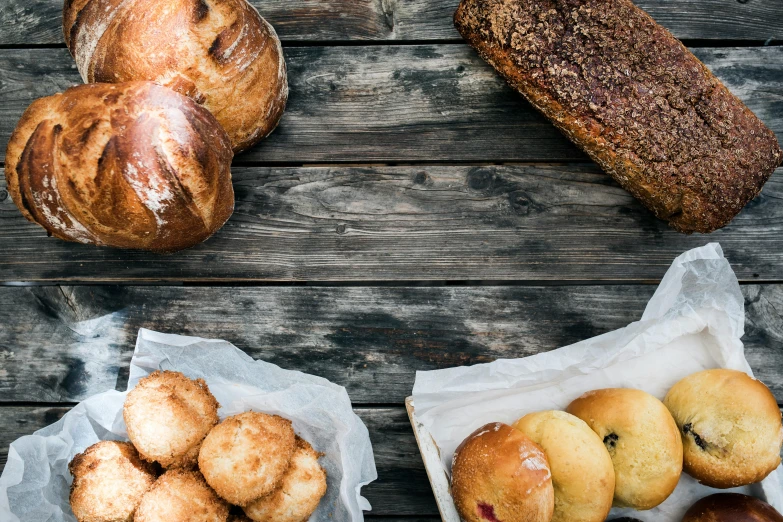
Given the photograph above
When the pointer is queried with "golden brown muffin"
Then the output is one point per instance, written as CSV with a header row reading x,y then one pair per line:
x,y
238,517
642,440
582,471
168,415
731,427
109,481
181,496
731,507
245,457
300,491
499,474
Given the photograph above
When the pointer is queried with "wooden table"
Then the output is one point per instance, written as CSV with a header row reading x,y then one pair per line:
x,y
411,212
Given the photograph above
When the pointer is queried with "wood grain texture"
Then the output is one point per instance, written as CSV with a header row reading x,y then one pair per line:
x,y
402,103
68,343
553,223
402,487
39,21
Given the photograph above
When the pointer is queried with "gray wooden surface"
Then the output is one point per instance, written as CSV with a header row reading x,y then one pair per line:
x,y
412,103
66,343
28,22
555,223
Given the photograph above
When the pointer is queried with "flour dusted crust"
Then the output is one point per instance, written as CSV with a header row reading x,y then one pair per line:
x,y
642,440
499,474
300,491
109,481
730,425
167,416
582,471
221,53
632,97
246,456
129,165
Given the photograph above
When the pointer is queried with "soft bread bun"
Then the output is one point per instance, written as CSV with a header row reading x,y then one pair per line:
x,y
181,496
642,440
167,416
246,456
731,507
221,53
582,471
130,165
109,481
499,474
730,425
300,491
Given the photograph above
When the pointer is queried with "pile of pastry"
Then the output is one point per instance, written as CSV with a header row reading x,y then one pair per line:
x,y
183,464
140,157
624,447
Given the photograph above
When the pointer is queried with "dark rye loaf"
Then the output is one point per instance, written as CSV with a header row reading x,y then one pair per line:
x,y
634,98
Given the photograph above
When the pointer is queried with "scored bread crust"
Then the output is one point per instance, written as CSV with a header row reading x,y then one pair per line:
x,y
129,165
221,53
631,96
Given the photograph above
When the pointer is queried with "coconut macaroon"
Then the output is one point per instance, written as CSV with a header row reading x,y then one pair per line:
x,y
181,496
245,457
300,491
168,416
731,427
582,470
109,481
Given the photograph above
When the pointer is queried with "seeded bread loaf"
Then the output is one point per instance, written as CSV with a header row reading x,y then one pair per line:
x,y
632,97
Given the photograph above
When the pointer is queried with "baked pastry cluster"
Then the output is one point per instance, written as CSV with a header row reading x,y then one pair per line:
x,y
182,464
623,447
141,159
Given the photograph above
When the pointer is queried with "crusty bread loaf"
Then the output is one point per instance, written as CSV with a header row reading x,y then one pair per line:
x,y
632,97
130,165
221,53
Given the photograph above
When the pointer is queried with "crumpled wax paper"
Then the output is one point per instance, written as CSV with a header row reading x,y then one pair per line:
x,y
35,483
693,322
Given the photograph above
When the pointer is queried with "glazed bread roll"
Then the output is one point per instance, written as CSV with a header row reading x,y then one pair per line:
x,y
221,53
731,507
730,425
499,474
582,471
642,439
130,165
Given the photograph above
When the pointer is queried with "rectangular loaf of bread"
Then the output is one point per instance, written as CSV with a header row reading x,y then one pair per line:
x,y
632,97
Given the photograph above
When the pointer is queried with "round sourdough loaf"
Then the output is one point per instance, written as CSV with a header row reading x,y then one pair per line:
x,y
129,165
221,53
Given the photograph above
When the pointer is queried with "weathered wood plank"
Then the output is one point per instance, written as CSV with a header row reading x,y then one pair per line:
x,y
402,487
67,343
414,223
401,103
39,21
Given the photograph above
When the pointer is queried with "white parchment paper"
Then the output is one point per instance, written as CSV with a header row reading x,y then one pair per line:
x,y
693,322
35,483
